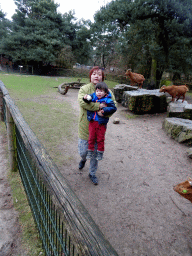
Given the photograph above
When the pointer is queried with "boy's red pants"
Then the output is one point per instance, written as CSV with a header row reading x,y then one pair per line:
x,y
96,133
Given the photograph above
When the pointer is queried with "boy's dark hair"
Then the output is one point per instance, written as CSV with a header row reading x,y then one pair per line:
x,y
102,86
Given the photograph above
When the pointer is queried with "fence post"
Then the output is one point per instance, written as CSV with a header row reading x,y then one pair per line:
x,y
1,106
11,140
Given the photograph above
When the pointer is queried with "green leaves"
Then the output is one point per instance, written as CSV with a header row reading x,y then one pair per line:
x,y
37,34
147,30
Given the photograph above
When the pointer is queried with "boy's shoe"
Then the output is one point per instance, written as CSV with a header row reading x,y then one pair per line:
x,y
81,164
89,154
94,179
99,155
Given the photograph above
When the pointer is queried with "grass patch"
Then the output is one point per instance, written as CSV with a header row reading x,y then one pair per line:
x,y
38,85
30,242
50,118
111,84
130,116
51,121
189,93
29,86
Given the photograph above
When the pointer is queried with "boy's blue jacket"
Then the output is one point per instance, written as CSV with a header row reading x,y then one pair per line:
x,y
109,110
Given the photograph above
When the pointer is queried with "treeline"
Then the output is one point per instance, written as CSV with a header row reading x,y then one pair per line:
x,y
39,36
149,36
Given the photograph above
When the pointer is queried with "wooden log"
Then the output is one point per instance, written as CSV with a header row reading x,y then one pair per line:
x,y
83,230
63,88
11,141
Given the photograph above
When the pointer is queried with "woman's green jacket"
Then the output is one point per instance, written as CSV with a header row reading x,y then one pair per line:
x,y
83,124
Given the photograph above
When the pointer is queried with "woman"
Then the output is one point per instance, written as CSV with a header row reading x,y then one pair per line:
x,y
96,75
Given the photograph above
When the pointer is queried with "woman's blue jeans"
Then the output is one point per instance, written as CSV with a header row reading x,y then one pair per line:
x,y
82,149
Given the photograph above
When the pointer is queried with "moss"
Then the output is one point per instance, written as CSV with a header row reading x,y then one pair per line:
x,y
176,131
141,104
185,137
166,82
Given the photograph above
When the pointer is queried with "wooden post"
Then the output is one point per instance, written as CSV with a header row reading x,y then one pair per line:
x,y
1,106
11,139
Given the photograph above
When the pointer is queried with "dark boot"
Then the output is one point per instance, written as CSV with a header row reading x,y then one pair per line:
x,y
82,164
94,179
99,155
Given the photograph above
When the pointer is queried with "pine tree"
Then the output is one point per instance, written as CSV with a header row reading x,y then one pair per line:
x,y
36,34
5,25
39,36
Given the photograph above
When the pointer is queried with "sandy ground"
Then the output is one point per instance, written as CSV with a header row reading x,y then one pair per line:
x,y
134,204
9,227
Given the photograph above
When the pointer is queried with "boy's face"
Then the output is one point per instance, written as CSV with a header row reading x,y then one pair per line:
x,y
100,93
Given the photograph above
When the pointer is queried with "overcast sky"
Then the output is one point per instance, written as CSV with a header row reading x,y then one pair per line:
x,y
83,8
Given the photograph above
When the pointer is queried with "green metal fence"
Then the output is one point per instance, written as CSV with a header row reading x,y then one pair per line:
x,y
64,225
52,231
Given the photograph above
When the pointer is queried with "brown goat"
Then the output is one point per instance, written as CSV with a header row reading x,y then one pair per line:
x,y
135,78
175,91
185,189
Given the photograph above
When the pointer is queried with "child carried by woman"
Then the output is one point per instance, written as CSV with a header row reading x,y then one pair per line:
x,y
98,120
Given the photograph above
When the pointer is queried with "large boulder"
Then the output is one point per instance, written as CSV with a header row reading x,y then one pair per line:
x,y
145,101
179,129
119,90
180,109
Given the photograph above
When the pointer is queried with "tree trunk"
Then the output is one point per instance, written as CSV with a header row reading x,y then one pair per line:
x,y
103,60
153,72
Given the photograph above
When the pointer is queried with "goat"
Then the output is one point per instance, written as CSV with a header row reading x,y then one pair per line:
x,y
175,91
135,78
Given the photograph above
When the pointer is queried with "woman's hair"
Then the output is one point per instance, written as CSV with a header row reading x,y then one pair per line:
x,y
102,86
96,68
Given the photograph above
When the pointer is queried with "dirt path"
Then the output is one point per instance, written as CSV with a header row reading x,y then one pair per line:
x,y
134,204
9,227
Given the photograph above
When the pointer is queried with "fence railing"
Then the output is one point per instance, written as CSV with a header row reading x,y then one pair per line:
x,y
64,225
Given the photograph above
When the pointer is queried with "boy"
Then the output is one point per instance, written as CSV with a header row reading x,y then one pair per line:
x,y
98,120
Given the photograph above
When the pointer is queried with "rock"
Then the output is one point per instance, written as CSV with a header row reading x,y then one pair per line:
x,y
120,88
145,101
116,120
189,152
180,109
179,129
177,106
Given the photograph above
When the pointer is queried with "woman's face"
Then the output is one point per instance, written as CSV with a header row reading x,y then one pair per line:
x,y
96,76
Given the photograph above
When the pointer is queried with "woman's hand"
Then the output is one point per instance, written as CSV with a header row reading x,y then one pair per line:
x,y
85,97
103,105
100,112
